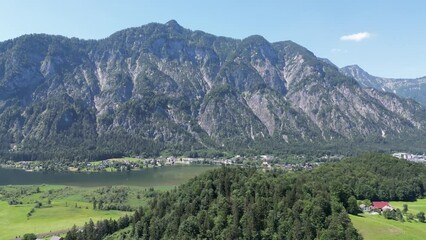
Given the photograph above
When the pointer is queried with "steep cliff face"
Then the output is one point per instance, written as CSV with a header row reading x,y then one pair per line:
x,y
406,88
161,86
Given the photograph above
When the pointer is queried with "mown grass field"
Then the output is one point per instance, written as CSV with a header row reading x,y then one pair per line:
x,y
413,207
69,206
14,221
376,227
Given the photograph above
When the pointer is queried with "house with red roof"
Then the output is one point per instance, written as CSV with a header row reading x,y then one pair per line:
x,y
381,206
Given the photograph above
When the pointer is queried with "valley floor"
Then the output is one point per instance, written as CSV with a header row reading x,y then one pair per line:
x,y
14,221
42,209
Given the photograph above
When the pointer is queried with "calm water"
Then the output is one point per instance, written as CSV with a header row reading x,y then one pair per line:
x,y
149,177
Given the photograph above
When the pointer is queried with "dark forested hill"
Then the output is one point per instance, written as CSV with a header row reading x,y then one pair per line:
x,y
236,203
161,86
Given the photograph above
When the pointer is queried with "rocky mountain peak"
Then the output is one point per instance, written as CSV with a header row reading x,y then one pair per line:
x,y
173,24
355,69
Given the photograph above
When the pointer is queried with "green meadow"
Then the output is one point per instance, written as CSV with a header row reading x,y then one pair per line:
x,y
61,207
413,207
67,206
14,221
376,227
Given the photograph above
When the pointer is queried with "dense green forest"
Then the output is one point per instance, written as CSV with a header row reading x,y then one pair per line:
x,y
122,144
246,203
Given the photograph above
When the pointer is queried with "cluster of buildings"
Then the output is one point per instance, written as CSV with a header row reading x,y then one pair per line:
x,y
376,207
186,161
267,162
300,166
264,161
121,164
410,157
28,166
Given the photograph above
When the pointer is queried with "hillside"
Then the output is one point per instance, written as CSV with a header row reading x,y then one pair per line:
x,y
406,88
163,87
244,203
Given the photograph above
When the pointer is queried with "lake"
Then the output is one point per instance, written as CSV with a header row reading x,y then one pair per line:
x,y
147,177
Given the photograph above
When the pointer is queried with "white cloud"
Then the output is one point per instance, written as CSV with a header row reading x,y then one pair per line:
x,y
356,37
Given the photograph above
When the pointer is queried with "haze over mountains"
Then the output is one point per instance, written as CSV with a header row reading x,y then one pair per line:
x,y
407,88
161,86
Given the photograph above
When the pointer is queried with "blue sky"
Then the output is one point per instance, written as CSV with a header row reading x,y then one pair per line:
x,y
390,40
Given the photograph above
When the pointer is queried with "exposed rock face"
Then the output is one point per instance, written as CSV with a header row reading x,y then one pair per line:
x,y
166,85
406,88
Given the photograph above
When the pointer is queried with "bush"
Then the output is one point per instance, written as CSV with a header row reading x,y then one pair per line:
x,y
29,236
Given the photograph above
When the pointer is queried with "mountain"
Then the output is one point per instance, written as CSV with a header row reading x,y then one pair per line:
x,y
406,88
162,87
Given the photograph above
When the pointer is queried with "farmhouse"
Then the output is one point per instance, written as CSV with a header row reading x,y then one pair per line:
x,y
381,206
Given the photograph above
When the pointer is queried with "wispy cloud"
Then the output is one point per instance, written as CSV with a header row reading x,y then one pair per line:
x,y
356,37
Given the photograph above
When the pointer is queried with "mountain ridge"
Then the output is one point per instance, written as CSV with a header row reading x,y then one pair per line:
x,y
163,87
414,88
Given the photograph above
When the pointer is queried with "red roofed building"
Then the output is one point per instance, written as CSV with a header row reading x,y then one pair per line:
x,y
381,206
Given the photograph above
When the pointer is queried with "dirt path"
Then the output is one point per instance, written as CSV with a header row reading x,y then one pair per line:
x,y
49,234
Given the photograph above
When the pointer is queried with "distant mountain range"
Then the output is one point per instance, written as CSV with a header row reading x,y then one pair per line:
x,y
406,88
161,87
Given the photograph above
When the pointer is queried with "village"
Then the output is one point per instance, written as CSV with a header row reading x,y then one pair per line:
x,y
411,157
265,162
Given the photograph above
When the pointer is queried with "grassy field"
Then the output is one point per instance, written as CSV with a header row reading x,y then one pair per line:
x,y
376,227
14,221
413,207
68,206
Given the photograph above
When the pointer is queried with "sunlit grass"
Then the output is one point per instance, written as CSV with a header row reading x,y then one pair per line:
x,y
14,220
376,227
